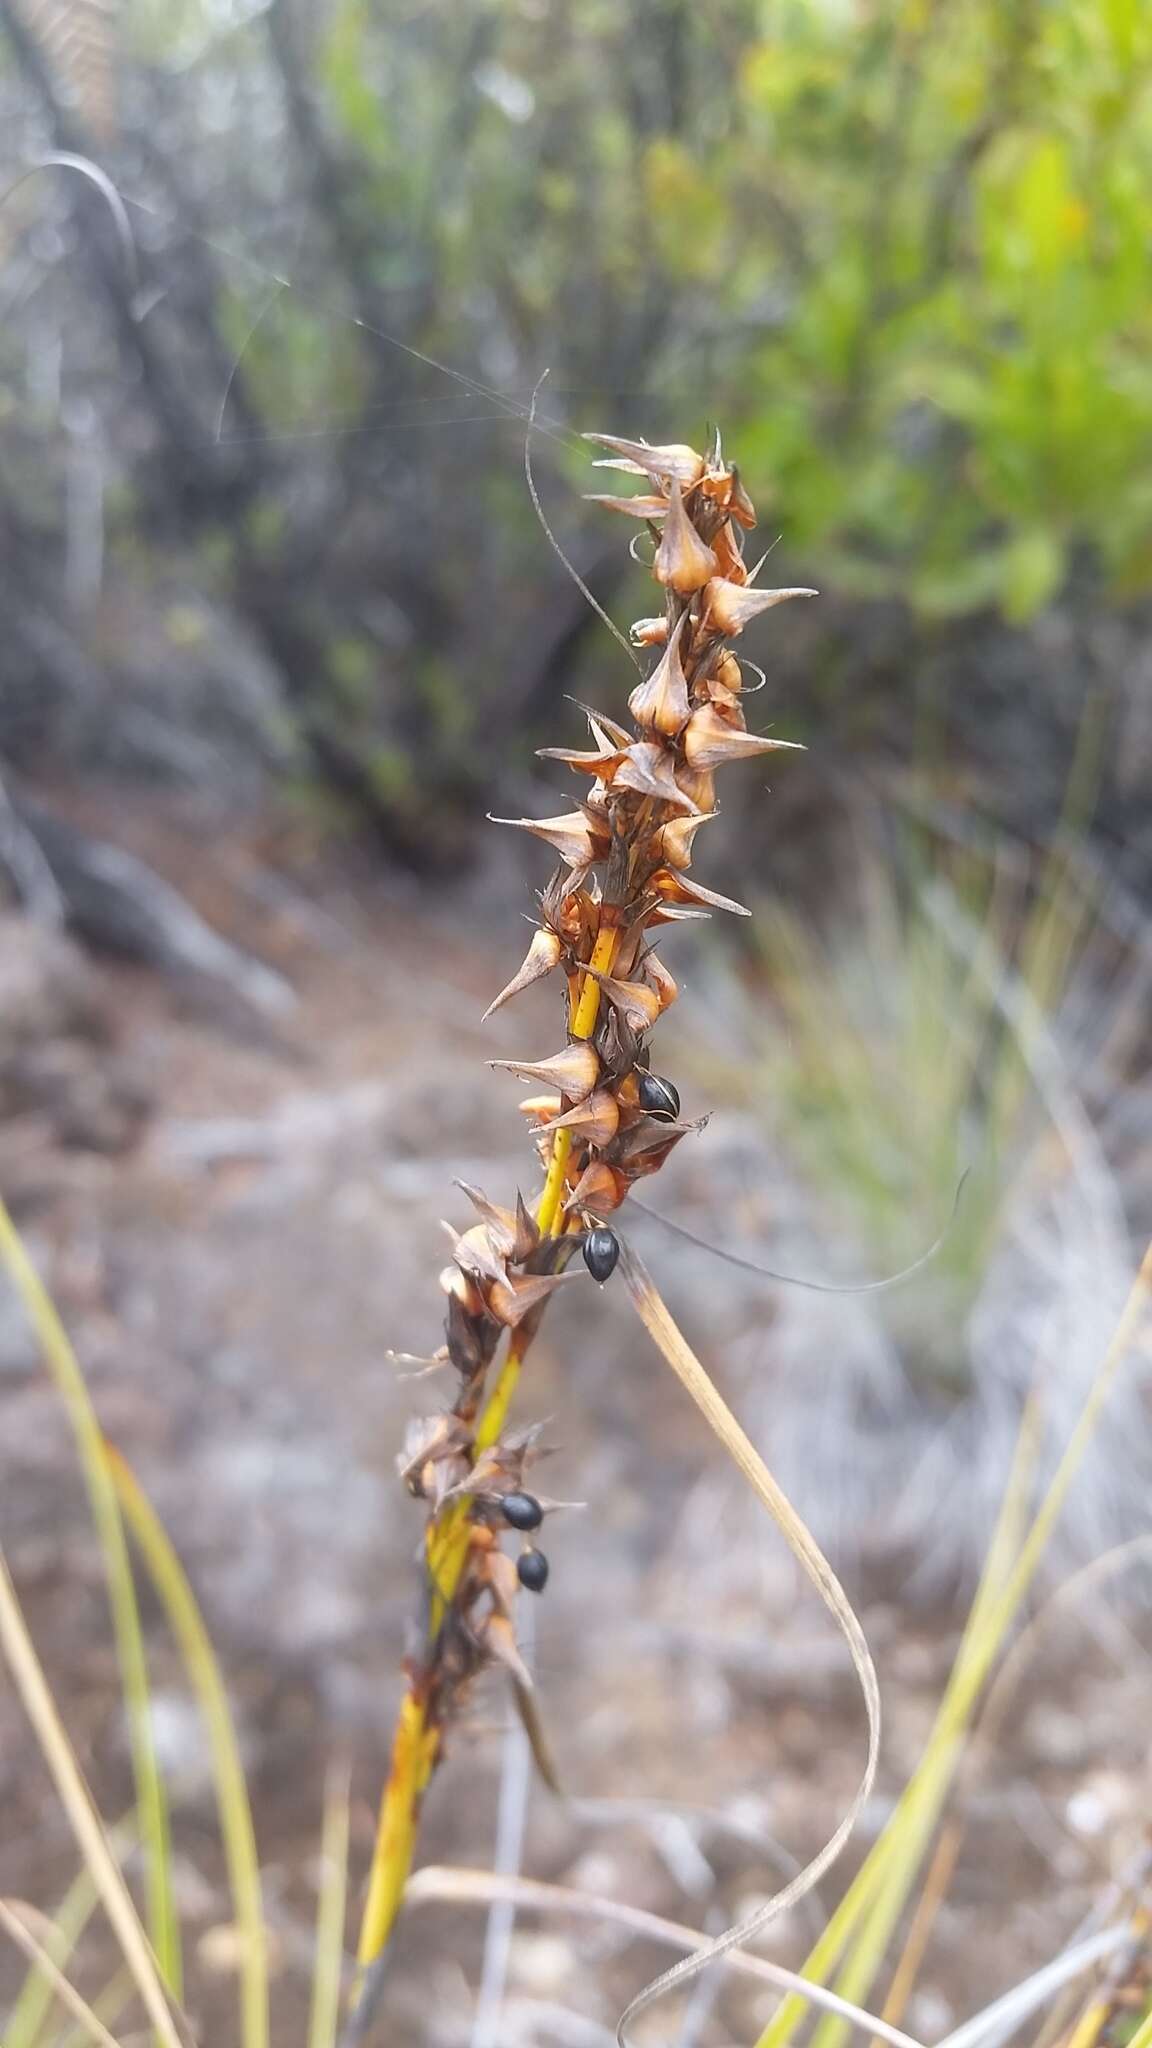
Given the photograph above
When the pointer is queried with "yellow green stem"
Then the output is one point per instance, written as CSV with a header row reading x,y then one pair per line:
x,y
416,1745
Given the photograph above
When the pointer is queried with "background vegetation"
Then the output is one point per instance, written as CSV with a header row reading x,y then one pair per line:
x,y
898,248
278,625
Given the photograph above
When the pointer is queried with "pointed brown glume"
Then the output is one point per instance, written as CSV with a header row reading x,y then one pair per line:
x,y
623,853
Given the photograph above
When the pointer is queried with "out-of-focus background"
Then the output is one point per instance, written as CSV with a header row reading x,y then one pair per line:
x,y
279,625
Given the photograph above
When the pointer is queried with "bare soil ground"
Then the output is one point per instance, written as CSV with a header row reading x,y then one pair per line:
x,y
236,1221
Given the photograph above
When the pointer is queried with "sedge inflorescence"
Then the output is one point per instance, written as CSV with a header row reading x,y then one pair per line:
x,y
600,1117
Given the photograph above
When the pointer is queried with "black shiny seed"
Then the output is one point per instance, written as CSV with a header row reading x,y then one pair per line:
x,y
601,1251
522,1510
532,1570
658,1097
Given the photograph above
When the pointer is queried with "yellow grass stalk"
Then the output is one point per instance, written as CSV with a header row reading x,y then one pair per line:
x,y
416,1746
152,1804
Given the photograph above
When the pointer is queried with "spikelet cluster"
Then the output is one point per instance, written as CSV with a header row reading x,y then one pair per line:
x,y
600,1118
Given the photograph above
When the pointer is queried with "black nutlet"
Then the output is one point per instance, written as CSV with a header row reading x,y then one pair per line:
x,y
601,1253
658,1097
522,1511
532,1570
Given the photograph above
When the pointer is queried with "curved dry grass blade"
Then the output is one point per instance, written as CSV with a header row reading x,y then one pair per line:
x,y
62,1363
327,1976
438,1883
670,1341
32,1686
67,1994
232,1802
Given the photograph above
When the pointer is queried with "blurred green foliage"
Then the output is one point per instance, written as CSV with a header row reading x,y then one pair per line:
x,y
898,248
908,243
963,389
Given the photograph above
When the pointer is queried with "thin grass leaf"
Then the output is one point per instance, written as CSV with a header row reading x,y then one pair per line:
x,y
328,1972
996,1702
439,1884
76,1799
152,1804
232,1802
661,1328
895,1846
65,1992
880,1891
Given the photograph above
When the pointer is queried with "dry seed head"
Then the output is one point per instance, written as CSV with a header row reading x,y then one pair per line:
x,y
575,1071
513,1232
600,1189
639,1005
683,561
649,768
596,1119
541,1108
727,609
648,632
541,957
658,977
476,1254
660,703
729,558
500,1573
573,836
674,460
640,507
462,1289
582,760
497,1636
676,839
740,506
676,890
624,854
511,1299
711,740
